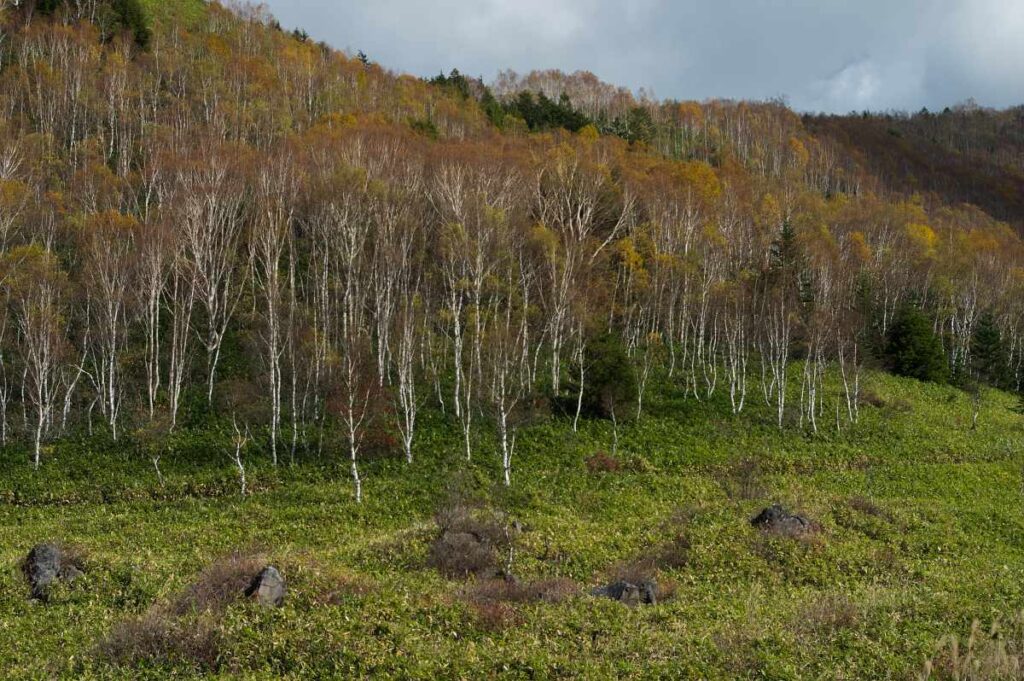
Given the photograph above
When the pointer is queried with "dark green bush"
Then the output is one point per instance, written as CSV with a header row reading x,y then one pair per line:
x,y
913,349
609,383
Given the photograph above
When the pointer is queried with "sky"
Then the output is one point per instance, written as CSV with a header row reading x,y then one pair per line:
x,y
820,55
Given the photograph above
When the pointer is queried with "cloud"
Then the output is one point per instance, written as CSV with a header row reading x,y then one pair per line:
x,y
829,55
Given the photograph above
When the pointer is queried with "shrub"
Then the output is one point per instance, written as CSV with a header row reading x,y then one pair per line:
x,y
609,384
602,462
495,617
221,583
339,587
185,629
468,542
872,399
913,349
158,638
492,599
868,507
555,590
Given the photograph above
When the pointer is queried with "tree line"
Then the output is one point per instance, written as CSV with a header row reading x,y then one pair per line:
x,y
233,221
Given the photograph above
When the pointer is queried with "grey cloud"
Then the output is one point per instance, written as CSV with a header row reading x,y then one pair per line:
x,y
827,55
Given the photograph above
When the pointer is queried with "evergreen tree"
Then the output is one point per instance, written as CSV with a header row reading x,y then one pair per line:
x,y
914,350
610,384
988,356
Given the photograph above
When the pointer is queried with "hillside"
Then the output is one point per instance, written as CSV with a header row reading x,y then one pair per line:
x,y
451,355
967,155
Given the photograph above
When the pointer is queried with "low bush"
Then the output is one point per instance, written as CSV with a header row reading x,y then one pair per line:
x,y
221,583
602,462
158,638
469,542
493,600
554,590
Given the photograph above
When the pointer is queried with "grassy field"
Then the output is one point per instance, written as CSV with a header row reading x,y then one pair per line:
x,y
921,532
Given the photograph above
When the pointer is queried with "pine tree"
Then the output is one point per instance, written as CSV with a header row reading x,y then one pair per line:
x,y
988,356
914,350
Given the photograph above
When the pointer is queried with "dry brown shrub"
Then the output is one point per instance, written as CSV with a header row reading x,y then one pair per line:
x,y
602,462
902,406
219,584
340,587
868,507
673,553
157,637
184,630
496,617
554,590
872,399
493,600
469,542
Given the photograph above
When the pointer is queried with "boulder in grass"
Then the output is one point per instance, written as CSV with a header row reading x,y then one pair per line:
x,y
47,564
778,520
267,587
628,593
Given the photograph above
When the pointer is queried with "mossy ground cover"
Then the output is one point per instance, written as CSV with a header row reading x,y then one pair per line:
x,y
921,532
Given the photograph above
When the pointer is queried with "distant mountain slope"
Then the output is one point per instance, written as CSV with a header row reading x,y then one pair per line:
x,y
967,154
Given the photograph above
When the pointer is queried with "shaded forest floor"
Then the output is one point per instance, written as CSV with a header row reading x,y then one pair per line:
x,y
921,532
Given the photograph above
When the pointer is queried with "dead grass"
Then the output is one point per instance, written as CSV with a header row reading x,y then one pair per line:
x,y
992,654
867,507
554,590
872,399
742,481
828,614
673,553
339,587
870,508
495,617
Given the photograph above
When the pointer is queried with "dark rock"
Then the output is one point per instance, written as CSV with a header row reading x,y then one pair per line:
x,y
646,592
69,573
46,564
778,520
267,587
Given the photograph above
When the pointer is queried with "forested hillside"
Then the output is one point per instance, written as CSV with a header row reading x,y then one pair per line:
x,y
205,217
966,154
501,379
